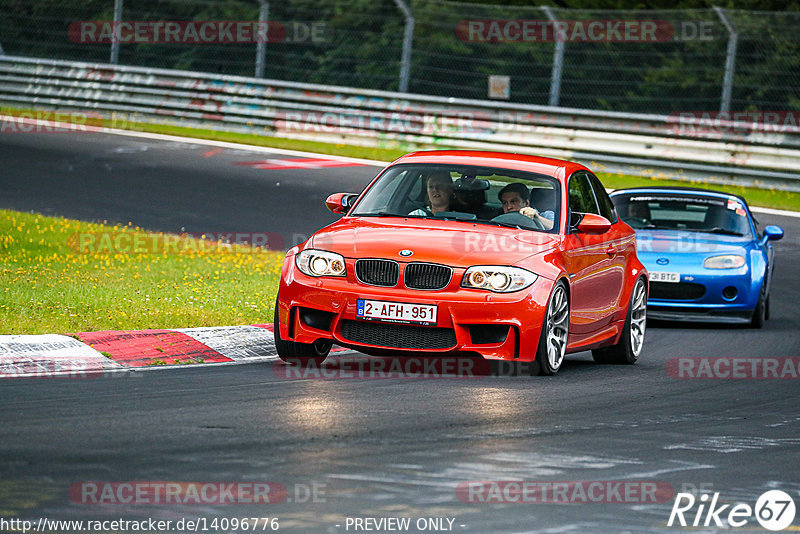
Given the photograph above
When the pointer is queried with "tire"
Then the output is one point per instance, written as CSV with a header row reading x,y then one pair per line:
x,y
303,354
555,330
761,312
631,341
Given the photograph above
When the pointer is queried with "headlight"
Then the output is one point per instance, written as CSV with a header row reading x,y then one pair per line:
x,y
497,278
320,263
728,261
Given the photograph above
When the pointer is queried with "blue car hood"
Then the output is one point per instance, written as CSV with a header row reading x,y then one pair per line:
x,y
687,242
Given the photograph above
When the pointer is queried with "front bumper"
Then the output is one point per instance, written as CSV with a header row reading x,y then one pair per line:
x,y
494,325
723,296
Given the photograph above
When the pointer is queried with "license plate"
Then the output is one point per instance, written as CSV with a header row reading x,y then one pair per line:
x,y
661,276
396,312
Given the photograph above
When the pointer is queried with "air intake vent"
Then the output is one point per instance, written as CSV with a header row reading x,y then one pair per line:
x,y
676,291
427,276
378,272
398,336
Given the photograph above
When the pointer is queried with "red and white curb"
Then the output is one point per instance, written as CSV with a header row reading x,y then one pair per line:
x,y
92,353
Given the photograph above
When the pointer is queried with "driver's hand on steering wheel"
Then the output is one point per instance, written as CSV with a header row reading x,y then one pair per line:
x,y
535,215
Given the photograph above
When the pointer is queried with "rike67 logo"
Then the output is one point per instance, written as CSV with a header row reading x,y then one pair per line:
x,y
774,510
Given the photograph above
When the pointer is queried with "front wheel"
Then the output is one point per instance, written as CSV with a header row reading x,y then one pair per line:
x,y
299,353
555,329
629,346
761,313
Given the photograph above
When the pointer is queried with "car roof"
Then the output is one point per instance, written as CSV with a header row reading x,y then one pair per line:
x,y
678,189
503,160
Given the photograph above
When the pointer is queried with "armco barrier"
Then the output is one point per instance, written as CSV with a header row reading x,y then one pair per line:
x,y
747,153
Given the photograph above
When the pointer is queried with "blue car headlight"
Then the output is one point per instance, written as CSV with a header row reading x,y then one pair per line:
x,y
726,261
497,278
317,263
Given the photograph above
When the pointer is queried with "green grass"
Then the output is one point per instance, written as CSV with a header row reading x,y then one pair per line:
x,y
49,285
770,198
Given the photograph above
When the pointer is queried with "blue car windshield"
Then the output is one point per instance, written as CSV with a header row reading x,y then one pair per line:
x,y
472,194
657,211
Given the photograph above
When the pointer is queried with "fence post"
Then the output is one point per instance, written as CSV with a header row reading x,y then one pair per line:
x,y
114,37
730,60
408,36
261,47
558,60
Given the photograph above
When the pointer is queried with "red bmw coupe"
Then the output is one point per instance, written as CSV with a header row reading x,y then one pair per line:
x,y
507,256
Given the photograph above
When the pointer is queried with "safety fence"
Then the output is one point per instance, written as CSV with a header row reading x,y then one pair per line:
x,y
634,60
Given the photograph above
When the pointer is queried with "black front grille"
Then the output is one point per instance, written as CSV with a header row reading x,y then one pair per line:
x,y
676,291
378,272
398,336
427,276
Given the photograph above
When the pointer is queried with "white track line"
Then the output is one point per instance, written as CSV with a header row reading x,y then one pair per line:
x,y
770,211
194,140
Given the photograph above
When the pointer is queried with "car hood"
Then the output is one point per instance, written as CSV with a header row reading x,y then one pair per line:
x,y
686,242
455,243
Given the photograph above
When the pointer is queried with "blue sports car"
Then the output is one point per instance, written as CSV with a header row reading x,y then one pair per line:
x,y
707,258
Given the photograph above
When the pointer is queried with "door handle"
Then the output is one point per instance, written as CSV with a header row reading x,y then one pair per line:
x,y
611,251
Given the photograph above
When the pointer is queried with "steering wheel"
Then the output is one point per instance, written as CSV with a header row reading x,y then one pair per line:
x,y
537,223
518,219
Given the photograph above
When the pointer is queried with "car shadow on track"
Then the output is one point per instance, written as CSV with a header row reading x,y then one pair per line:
x,y
695,325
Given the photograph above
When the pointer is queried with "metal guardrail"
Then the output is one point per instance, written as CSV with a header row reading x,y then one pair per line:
x,y
738,152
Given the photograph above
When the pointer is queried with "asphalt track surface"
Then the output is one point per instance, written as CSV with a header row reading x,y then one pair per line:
x,y
374,447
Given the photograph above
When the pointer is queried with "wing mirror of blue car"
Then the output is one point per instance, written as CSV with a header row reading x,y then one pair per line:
x,y
772,233
591,223
340,202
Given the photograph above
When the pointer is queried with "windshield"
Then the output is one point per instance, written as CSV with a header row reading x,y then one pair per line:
x,y
683,212
465,193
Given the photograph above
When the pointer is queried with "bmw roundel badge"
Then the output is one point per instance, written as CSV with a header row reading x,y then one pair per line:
x,y
406,253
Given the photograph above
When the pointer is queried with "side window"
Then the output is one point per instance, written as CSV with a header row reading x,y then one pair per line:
x,y
757,227
605,204
378,198
581,198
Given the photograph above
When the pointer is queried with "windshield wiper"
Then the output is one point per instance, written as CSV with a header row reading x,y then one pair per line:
x,y
379,214
721,231
652,226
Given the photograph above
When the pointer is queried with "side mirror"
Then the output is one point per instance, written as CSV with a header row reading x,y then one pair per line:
x,y
340,202
594,224
772,233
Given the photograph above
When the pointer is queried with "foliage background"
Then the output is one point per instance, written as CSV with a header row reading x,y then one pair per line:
x,y
363,47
